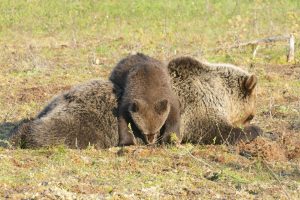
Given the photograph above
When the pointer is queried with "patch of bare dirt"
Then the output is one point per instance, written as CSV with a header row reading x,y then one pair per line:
x,y
23,59
40,93
283,149
288,71
291,143
263,148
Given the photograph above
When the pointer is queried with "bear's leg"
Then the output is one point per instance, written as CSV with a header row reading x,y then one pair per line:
x,y
125,137
248,133
171,126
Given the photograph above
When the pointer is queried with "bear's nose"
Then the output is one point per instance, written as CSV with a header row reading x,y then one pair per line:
x,y
151,138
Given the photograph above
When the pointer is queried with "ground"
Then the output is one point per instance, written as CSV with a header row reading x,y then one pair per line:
x,y
48,46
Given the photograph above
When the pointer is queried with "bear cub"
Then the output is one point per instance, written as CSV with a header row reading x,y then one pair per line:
x,y
147,101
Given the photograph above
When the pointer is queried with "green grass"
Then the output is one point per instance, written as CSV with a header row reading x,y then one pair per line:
x,y
155,25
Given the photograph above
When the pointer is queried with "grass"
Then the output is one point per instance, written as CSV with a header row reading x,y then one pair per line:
x,y
147,173
48,46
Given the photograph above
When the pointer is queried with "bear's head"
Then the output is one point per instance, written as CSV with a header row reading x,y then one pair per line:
x,y
242,105
149,118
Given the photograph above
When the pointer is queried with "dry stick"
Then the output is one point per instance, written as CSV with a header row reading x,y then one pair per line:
x,y
256,43
199,160
291,53
254,50
192,156
189,152
277,179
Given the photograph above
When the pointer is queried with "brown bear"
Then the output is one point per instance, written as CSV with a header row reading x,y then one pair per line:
x,y
217,101
85,115
147,103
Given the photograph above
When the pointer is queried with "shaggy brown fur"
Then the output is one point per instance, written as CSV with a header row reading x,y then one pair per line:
x,y
216,100
82,116
147,103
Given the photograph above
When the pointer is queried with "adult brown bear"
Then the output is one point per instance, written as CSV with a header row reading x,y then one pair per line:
x,y
216,100
85,115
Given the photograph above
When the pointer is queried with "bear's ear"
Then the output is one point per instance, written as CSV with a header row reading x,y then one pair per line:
x,y
161,106
250,83
135,106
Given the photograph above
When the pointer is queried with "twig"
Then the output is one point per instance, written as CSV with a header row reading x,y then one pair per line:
x,y
291,52
255,48
255,43
199,160
192,156
277,179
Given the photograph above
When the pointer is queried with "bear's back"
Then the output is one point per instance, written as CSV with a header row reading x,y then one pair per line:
x,y
85,115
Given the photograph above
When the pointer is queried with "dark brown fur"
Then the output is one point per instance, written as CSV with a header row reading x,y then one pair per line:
x,y
147,103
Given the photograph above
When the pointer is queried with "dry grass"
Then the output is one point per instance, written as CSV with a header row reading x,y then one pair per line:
x,y
141,173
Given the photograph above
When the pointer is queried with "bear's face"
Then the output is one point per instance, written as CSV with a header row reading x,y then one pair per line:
x,y
149,118
244,108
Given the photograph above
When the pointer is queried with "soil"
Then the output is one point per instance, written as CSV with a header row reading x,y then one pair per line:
x,y
278,114
40,93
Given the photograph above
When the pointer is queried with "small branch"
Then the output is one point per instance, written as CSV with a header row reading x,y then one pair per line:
x,y
277,179
200,160
291,52
255,44
255,48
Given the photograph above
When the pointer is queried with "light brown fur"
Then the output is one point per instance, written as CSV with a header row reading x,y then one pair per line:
x,y
216,100
85,115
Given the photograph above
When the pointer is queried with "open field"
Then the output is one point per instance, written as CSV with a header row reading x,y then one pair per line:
x,y
48,46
